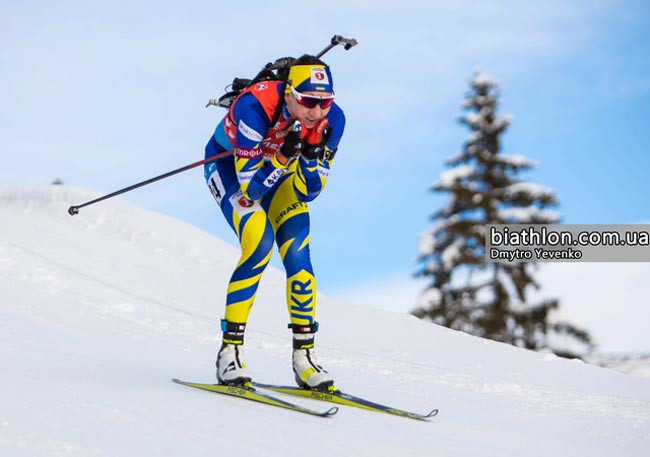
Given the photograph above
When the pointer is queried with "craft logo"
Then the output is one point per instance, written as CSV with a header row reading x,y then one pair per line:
x,y
289,208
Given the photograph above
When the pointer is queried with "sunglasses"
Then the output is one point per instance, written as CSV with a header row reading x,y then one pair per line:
x,y
310,101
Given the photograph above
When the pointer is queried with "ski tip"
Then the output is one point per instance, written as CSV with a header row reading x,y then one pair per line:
x,y
330,412
181,382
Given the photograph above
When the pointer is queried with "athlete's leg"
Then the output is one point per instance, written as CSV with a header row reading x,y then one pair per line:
x,y
255,234
290,220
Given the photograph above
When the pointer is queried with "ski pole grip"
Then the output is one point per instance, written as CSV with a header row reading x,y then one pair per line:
x,y
346,42
338,39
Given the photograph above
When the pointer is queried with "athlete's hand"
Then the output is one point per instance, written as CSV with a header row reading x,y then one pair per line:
x,y
316,140
293,134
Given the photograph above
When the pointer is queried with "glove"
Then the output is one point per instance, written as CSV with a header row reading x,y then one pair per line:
x,y
293,134
316,140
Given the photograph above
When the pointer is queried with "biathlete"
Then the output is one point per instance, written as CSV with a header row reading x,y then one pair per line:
x,y
283,136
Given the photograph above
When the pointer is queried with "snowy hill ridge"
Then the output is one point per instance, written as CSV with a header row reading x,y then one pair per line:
x,y
99,311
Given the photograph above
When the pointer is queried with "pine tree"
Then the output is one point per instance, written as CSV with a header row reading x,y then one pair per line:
x,y
484,186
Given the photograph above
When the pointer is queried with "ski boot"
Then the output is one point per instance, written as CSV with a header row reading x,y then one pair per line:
x,y
309,374
231,370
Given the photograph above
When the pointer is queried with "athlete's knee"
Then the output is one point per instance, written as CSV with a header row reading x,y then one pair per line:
x,y
297,256
257,238
256,249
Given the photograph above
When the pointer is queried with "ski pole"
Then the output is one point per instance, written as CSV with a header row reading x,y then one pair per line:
x,y
347,43
75,208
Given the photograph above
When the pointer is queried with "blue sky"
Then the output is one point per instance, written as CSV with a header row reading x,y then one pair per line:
x,y
107,94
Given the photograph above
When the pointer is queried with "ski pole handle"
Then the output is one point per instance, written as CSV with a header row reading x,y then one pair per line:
x,y
347,43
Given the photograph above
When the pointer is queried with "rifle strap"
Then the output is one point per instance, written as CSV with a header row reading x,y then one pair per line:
x,y
280,105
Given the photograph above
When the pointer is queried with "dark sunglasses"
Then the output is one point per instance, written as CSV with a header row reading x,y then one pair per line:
x,y
310,101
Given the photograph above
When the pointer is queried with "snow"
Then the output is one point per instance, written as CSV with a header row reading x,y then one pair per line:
x,y
482,79
451,253
426,242
472,118
517,160
99,311
528,215
430,297
449,177
500,123
537,191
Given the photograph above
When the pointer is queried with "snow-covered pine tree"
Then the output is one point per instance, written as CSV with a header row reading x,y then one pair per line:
x,y
466,293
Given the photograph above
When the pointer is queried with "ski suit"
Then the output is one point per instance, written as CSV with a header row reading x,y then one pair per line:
x,y
265,202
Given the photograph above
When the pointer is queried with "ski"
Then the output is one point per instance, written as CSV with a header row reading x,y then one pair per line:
x,y
336,396
249,392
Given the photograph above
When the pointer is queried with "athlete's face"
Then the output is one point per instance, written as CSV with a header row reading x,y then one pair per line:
x,y
309,116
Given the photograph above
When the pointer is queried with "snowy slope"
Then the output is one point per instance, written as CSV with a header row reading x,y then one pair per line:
x,y
99,311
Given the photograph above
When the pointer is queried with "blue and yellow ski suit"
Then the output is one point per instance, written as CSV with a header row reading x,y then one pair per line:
x,y
265,202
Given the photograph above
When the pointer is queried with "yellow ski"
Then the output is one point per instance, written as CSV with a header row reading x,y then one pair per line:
x,y
249,392
333,395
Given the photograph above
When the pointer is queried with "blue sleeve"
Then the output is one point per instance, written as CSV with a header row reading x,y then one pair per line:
x,y
336,119
255,175
311,175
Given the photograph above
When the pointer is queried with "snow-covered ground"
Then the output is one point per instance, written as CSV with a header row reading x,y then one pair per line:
x,y
99,311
